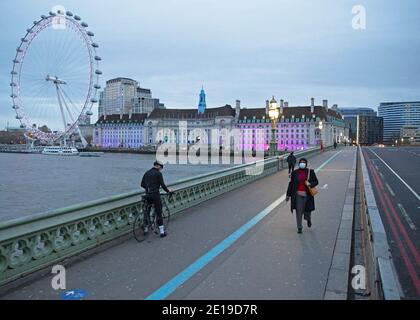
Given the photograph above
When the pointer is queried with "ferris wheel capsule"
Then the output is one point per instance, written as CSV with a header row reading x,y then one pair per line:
x,y
84,24
89,113
69,14
77,18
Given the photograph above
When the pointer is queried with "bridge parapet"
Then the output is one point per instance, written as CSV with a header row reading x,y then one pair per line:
x,y
32,243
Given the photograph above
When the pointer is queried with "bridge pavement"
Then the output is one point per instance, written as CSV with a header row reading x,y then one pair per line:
x,y
269,261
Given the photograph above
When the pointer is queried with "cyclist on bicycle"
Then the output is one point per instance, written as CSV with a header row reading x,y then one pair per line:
x,y
152,182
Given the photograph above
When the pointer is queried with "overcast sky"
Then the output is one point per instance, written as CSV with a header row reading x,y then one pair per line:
x,y
241,49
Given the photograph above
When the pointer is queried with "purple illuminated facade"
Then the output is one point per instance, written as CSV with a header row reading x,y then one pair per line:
x,y
120,131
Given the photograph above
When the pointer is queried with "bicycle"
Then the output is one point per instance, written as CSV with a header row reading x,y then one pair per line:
x,y
148,220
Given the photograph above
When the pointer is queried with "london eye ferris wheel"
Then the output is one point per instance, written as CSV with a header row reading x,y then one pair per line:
x,y
55,77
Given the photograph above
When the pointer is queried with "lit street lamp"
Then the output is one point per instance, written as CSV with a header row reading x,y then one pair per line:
x,y
320,127
273,113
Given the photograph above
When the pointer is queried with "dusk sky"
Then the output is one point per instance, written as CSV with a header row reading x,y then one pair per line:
x,y
240,49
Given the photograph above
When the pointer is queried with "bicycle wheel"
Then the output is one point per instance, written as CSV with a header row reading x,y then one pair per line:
x,y
138,226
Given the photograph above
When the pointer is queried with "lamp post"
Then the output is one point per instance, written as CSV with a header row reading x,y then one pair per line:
x,y
273,113
320,127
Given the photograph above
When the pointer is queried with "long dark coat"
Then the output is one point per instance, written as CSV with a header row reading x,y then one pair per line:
x,y
292,190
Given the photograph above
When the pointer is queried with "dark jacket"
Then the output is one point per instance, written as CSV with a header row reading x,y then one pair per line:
x,y
292,189
291,159
152,181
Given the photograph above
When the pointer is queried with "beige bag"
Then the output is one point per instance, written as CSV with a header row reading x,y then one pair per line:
x,y
313,191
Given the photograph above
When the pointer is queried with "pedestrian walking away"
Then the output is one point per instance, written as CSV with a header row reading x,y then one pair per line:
x,y
299,194
291,161
152,182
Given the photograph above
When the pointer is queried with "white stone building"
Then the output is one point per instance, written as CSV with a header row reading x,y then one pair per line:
x,y
116,131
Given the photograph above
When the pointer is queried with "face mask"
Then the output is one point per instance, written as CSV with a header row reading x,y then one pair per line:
x,y
302,165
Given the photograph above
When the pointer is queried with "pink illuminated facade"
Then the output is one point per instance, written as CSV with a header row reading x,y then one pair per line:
x,y
297,129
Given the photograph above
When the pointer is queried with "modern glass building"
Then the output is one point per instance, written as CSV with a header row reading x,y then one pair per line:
x,y
365,127
356,111
370,130
397,115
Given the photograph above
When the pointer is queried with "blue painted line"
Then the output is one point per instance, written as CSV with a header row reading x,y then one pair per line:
x,y
169,287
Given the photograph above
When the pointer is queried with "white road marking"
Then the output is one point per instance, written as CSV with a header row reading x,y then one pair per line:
x,y
407,218
324,187
390,190
381,174
405,183
337,170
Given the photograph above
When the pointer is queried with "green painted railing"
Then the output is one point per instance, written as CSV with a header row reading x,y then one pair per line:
x,y
32,243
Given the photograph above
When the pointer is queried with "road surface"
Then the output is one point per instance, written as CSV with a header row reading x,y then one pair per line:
x,y
395,177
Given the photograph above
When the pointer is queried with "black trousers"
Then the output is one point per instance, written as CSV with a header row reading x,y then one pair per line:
x,y
157,202
291,167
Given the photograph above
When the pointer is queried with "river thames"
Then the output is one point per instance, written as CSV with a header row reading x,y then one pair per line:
x,y
34,183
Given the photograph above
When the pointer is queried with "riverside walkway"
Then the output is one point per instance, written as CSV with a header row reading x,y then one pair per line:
x,y
241,244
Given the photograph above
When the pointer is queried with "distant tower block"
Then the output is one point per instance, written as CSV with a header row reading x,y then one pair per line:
x,y
202,103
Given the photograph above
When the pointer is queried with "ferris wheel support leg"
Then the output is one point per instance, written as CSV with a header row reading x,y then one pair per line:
x,y
84,142
62,110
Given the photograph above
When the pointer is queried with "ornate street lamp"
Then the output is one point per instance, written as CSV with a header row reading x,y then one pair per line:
x,y
273,113
320,127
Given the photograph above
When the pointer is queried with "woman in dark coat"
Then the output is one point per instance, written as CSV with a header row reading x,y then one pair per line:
x,y
301,200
